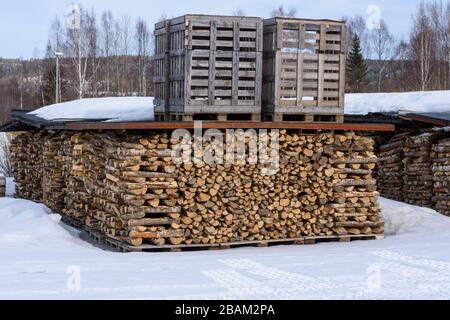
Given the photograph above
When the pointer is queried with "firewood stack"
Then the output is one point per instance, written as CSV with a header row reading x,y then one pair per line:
x,y
222,203
75,201
2,187
441,176
390,167
417,174
53,179
128,187
27,164
236,201
355,198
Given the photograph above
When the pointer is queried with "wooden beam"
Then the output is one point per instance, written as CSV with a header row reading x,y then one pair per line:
x,y
228,125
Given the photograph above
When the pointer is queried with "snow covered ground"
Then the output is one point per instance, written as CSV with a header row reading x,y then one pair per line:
x,y
42,259
420,101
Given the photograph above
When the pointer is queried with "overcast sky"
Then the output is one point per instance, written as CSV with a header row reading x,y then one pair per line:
x,y
24,24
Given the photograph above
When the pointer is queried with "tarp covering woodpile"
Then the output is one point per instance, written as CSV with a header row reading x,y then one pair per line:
x,y
127,186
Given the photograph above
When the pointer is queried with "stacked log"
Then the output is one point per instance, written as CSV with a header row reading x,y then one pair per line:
x,y
223,203
441,176
2,187
355,198
53,175
390,167
27,164
75,196
128,187
417,174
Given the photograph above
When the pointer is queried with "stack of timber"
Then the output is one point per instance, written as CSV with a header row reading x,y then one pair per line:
x,y
304,70
208,68
27,164
417,174
53,180
390,167
128,187
75,198
379,141
2,187
236,202
441,176
355,198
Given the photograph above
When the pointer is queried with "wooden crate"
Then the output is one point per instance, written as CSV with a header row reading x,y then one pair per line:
x,y
304,70
208,64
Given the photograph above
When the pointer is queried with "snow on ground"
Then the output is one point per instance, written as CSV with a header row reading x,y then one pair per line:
x,y
10,187
421,101
41,259
112,109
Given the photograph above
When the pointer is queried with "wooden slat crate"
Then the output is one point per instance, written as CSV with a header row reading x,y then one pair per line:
x,y
208,64
304,70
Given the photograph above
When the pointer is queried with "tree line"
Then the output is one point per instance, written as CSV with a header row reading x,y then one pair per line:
x,y
112,56
378,61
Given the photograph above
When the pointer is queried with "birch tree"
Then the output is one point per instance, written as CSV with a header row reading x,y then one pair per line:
x,y
422,42
142,38
382,43
81,47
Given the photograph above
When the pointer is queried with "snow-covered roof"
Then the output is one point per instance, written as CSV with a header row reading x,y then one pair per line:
x,y
118,109
404,102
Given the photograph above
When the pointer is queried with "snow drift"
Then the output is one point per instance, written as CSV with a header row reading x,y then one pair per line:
x,y
420,101
401,218
116,109
26,222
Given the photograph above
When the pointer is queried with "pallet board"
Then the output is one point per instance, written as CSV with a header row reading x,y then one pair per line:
x,y
304,67
208,64
111,244
230,117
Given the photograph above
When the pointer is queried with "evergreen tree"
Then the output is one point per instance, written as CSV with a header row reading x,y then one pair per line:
x,y
49,83
356,66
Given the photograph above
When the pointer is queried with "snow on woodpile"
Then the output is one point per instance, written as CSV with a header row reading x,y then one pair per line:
x,y
105,109
421,101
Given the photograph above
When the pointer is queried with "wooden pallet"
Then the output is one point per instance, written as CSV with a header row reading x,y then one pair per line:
x,y
111,244
304,117
223,117
72,222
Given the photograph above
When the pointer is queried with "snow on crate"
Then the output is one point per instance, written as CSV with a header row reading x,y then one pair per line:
x,y
118,109
421,101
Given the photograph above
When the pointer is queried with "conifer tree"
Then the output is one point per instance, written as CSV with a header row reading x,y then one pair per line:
x,y
356,66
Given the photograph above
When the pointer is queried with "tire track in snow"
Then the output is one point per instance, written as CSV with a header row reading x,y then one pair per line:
x,y
239,285
413,260
293,284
